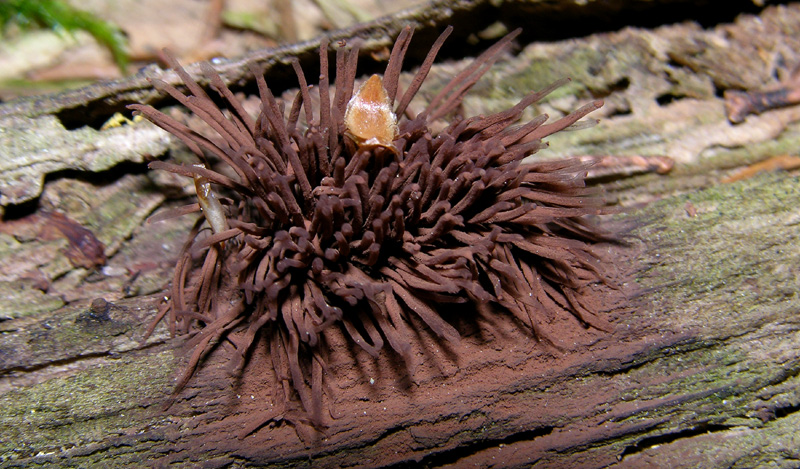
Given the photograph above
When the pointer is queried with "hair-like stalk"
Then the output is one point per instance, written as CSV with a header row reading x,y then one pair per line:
x,y
355,215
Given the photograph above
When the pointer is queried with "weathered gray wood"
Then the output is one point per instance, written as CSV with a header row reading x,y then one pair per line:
x,y
701,368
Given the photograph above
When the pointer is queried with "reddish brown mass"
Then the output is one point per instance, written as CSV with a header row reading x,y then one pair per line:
x,y
323,233
84,250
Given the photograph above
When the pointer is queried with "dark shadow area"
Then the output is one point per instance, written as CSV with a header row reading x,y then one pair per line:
x,y
670,437
555,21
452,456
93,115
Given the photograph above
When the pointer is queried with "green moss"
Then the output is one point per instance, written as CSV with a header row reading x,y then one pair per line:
x,y
70,411
595,71
20,299
728,252
541,72
713,273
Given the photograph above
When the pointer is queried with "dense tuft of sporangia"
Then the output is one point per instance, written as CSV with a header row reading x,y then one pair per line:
x,y
354,214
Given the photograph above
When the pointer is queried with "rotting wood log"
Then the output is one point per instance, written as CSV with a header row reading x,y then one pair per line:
x,y
701,369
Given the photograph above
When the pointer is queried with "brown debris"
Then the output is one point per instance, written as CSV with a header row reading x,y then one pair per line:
x,y
784,162
740,104
84,250
324,233
691,210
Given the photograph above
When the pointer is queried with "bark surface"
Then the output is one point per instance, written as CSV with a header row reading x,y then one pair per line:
x,y
701,367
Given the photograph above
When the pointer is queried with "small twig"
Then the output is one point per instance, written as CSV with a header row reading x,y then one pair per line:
x,y
784,162
739,104
607,166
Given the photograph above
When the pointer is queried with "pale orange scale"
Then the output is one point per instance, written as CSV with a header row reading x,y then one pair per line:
x,y
369,119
